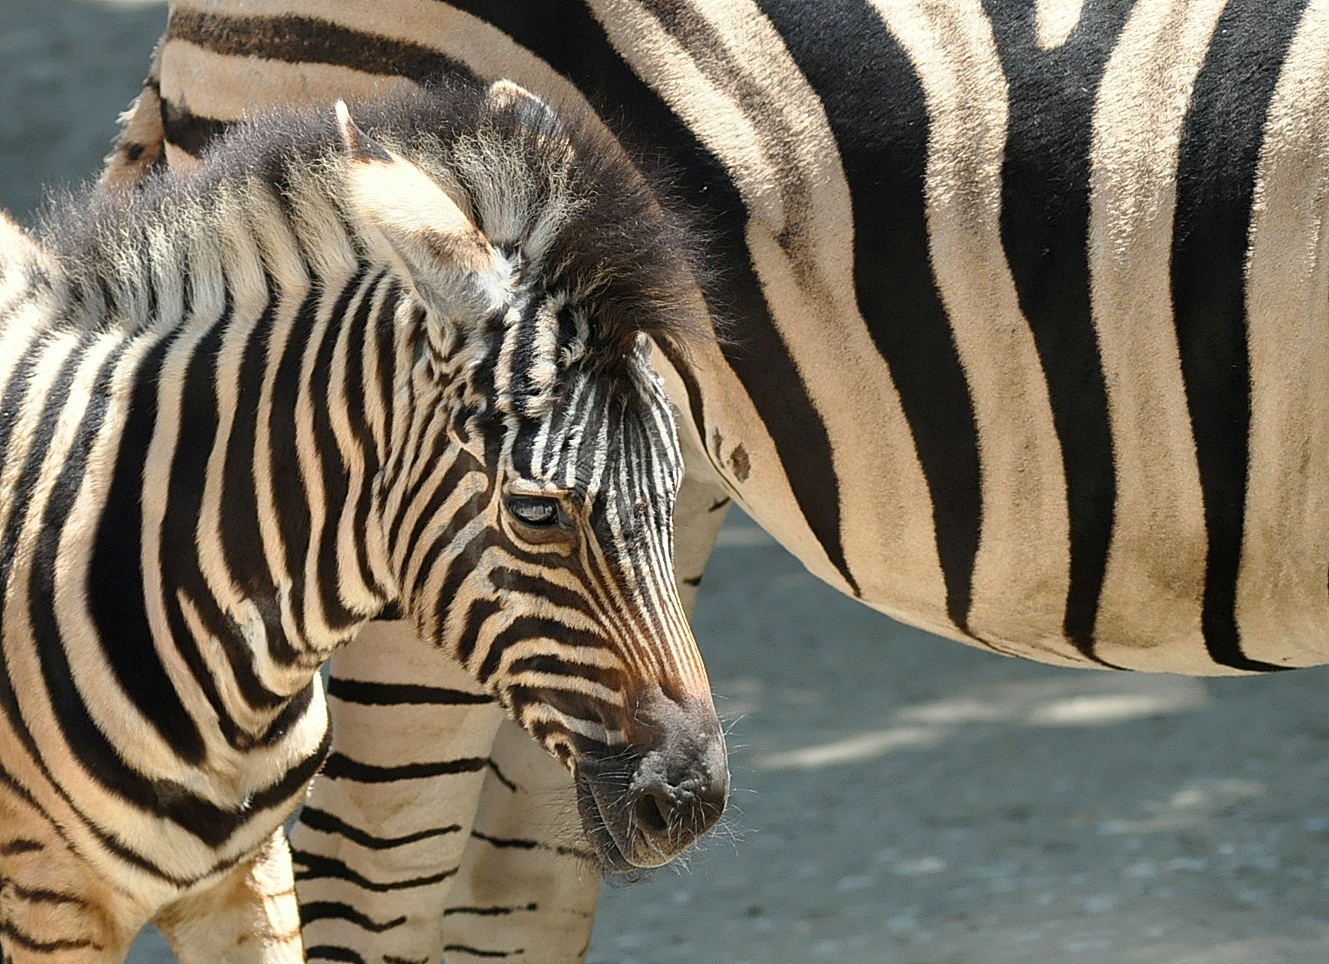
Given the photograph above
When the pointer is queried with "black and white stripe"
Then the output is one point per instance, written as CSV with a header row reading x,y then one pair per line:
x,y
248,409
1028,299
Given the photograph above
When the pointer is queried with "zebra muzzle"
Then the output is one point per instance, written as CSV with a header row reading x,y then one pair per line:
x,y
643,804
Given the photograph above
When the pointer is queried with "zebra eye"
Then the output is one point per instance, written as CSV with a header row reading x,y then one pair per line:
x,y
534,510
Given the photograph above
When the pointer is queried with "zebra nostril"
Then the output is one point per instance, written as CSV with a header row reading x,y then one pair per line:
x,y
651,813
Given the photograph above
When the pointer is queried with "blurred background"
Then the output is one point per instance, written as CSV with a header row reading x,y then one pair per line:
x,y
899,798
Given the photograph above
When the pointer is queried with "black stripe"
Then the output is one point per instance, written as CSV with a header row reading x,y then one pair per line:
x,y
400,694
335,910
15,391
501,777
880,121
28,942
42,895
696,404
508,843
325,822
326,952
300,40
190,133
240,536
291,714
573,43
357,418
1044,226
318,867
472,621
490,911
518,843
290,503
342,767
476,952
333,476
1220,152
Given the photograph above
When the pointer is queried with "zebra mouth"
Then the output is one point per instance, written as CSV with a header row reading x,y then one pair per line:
x,y
604,842
633,823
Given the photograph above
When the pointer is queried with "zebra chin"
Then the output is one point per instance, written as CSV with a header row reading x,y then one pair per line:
x,y
646,801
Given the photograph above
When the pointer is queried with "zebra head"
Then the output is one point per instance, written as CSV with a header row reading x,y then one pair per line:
x,y
529,486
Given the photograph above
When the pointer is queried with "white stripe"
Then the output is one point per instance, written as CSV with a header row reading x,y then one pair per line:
x,y
1154,582
1282,602
1054,21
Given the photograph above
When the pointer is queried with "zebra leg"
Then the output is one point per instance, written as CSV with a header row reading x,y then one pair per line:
x,y
54,907
526,890
248,917
378,843
698,515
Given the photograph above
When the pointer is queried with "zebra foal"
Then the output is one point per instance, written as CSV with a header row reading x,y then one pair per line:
x,y
328,375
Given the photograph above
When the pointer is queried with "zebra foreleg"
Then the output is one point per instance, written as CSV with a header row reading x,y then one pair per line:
x,y
526,887
378,843
248,917
699,513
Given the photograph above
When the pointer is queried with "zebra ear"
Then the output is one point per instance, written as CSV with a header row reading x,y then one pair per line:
x,y
504,95
449,260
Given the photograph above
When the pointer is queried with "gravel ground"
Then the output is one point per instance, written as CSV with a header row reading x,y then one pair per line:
x,y
900,799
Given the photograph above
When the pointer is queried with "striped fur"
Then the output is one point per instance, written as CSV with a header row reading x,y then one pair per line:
x,y
250,408
1030,297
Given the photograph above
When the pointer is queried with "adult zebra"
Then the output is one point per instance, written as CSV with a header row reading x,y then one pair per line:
x,y
248,409
1029,302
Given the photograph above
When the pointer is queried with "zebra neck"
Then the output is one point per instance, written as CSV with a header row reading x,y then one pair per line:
x,y
262,403
286,410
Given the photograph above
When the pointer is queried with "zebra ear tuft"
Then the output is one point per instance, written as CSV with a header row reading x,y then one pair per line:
x,y
359,146
505,95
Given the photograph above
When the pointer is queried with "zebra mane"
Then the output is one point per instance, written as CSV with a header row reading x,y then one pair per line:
x,y
550,190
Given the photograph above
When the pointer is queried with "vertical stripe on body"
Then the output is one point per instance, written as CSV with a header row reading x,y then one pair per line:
x,y
1045,220
1217,164
1281,596
878,115
1020,571
726,70
1154,582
